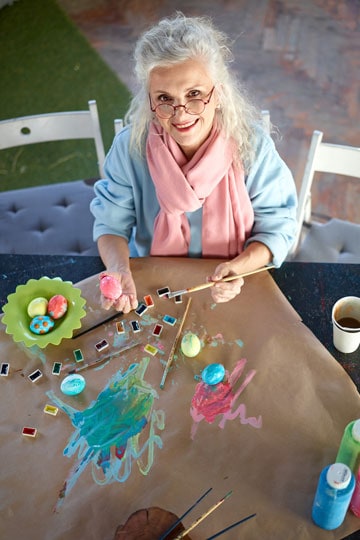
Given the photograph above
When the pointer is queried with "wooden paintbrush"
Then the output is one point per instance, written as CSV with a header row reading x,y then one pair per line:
x,y
203,516
76,369
171,355
212,283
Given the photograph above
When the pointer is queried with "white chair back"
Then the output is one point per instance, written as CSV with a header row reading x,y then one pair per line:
x,y
118,125
265,114
327,158
55,127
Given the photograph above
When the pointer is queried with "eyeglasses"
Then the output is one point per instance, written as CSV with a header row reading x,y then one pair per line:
x,y
193,106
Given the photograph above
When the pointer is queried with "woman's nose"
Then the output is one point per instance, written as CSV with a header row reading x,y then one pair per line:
x,y
180,108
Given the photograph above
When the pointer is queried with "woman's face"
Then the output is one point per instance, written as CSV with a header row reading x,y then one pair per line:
x,y
177,85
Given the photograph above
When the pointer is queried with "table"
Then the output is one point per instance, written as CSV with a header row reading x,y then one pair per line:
x,y
307,287
311,288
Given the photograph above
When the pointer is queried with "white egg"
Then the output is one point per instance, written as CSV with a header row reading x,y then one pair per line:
x,y
190,345
37,306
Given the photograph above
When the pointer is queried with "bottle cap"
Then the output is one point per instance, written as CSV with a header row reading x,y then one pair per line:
x,y
356,430
338,476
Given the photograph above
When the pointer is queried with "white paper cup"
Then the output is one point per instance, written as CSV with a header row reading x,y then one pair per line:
x,y
346,324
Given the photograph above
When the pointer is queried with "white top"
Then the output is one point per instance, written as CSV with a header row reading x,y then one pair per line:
x,y
355,432
338,476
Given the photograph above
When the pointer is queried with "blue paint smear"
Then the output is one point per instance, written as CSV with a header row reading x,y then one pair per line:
x,y
107,433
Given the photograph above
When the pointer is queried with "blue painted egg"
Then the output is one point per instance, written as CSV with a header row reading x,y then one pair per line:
x,y
42,324
73,385
213,374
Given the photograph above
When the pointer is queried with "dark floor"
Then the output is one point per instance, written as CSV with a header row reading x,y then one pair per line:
x,y
300,60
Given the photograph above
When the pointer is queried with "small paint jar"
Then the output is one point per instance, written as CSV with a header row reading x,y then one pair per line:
x,y
349,449
333,495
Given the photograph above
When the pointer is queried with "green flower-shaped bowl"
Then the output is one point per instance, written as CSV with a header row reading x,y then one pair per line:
x,y
17,320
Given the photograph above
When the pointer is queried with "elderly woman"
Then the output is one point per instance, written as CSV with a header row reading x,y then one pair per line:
x,y
193,173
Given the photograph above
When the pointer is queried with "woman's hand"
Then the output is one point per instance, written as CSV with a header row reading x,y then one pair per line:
x,y
253,257
114,252
225,291
127,301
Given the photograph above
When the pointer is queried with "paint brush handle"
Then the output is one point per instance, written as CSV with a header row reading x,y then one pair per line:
x,y
223,531
262,269
97,325
202,517
226,279
171,354
179,520
102,359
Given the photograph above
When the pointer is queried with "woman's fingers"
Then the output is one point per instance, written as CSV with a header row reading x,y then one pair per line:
x,y
225,291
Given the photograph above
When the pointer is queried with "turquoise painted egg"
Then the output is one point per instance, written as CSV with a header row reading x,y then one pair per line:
x,y
42,324
190,345
213,374
73,385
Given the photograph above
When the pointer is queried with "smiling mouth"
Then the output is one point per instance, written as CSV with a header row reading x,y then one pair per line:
x,y
185,126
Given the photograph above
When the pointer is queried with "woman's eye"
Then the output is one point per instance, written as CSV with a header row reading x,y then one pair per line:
x,y
194,94
163,99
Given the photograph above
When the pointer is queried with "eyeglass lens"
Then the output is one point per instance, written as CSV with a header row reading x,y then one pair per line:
x,y
194,106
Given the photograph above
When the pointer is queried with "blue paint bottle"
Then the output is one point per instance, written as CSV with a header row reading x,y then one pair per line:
x,y
332,499
349,450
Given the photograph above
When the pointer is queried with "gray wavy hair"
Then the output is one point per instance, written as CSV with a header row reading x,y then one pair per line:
x,y
174,40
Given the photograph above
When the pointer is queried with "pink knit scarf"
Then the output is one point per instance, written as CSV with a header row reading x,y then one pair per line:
x,y
210,180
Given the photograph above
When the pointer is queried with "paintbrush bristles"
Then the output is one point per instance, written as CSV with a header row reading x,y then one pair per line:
x,y
212,283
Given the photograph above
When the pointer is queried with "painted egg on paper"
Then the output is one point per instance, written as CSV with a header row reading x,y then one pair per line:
x,y
213,374
190,345
73,385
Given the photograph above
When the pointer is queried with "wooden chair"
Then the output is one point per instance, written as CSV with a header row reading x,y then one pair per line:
x,y
54,218
335,240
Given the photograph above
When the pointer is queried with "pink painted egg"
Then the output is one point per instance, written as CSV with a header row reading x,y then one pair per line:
x,y
57,306
110,287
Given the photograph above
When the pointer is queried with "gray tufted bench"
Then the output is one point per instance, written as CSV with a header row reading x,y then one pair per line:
x,y
48,220
336,241
53,219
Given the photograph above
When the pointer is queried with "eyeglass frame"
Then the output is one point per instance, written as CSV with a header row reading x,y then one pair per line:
x,y
175,107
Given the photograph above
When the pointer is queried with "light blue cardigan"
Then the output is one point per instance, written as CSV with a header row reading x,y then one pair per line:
x,y
126,200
